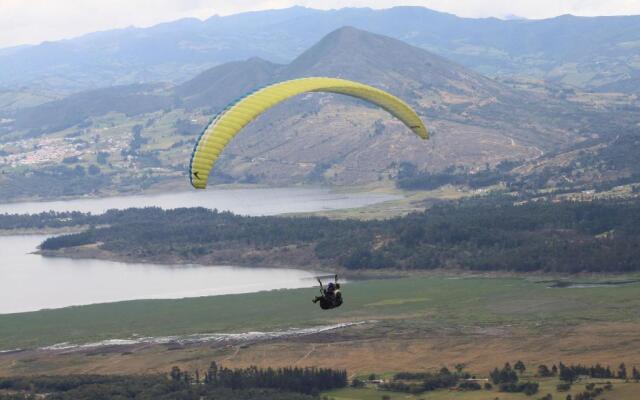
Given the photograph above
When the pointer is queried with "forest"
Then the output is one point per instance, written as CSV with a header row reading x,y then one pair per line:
x,y
216,383
479,234
410,178
291,383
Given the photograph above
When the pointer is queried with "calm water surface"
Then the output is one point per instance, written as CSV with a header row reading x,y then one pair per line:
x,y
30,282
241,201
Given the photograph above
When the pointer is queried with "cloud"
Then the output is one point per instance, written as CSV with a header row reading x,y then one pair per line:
x,y
34,21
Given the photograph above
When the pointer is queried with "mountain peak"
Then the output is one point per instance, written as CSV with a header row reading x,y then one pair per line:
x,y
346,50
381,61
348,53
346,30
210,86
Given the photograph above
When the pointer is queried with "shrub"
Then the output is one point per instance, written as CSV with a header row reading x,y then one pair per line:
x,y
528,388
469,385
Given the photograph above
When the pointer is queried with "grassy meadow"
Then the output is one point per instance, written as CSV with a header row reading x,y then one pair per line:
x,y
419,303
621,391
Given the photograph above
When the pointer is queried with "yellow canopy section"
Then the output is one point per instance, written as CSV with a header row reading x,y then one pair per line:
x,y
236,116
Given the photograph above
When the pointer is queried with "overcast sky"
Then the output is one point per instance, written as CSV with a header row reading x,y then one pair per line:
x,y
34,21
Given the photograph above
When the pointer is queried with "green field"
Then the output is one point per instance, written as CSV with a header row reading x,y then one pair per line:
x,y
621,390
419,303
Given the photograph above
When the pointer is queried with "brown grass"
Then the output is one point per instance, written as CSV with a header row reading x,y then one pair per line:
x,y
359,352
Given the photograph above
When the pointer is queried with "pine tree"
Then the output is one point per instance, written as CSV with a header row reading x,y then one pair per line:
x,y
520,367
567,374
175,374
495,376
213,373
622,371
543,371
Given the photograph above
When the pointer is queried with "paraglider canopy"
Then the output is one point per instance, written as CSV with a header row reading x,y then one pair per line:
x,y
238,114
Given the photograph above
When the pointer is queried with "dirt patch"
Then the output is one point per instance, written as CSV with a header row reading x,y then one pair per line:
x,y
359,349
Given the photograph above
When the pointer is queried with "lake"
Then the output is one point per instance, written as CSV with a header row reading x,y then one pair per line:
x,y
255,201
29,282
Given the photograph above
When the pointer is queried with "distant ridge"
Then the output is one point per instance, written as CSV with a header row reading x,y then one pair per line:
x,y
348,53
579,51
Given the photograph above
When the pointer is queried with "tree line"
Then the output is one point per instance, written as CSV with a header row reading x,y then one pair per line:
x,y
427,381
477,234
507,379
303,380
217,383
570,373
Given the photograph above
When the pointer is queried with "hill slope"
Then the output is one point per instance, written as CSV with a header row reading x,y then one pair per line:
x,y
476,120
314,138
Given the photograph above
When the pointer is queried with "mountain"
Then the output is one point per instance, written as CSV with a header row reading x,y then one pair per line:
x,y
214,86
130,100
579,51
147,130
476,120
349,53
375,59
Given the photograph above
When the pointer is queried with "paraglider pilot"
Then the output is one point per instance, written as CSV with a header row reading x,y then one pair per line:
x,y
330,297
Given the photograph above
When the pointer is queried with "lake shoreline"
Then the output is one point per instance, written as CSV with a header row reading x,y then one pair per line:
x,y
174,186
33,280
43,231
242,200
297,258
248,260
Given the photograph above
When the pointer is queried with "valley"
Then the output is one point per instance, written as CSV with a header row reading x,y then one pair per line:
x,y
496,260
